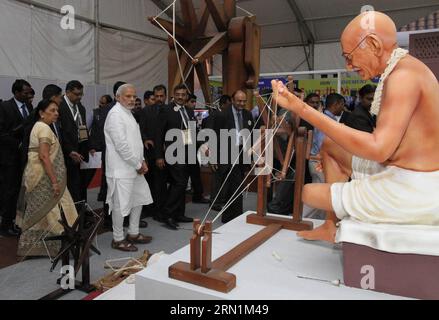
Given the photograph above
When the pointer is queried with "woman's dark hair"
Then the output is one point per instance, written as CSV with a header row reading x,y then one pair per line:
x,y
42,106
108,99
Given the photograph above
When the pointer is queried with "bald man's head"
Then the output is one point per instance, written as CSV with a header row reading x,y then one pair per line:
x,y
368,42
239,99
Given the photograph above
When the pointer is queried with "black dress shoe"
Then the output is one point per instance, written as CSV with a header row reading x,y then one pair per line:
x,y
171,224
184,219
159,219
143,224
200,200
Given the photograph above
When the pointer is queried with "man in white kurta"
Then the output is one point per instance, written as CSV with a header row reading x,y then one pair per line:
x,y
128,190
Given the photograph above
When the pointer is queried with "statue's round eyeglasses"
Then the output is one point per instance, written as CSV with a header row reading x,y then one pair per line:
x,y
348,56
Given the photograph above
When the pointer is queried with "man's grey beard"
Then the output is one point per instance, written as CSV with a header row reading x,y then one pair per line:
x,y
129,107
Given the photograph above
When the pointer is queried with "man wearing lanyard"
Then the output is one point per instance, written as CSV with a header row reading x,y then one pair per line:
x,y
13,114
74,133
174,116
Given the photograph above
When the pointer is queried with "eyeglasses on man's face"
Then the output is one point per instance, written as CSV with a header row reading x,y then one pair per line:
x,y
348,56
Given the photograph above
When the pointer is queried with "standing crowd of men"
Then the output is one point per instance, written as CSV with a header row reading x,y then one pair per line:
x,y
132,142
119,124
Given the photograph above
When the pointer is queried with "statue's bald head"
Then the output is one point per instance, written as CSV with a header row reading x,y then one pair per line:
x,y
367,41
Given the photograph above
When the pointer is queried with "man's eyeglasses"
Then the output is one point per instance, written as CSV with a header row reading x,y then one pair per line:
x,y
348,56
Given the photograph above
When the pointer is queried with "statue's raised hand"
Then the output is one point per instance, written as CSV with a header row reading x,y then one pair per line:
x,y
283,97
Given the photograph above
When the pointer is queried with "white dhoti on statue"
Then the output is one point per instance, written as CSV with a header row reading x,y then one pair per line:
x,y
379,194
388,196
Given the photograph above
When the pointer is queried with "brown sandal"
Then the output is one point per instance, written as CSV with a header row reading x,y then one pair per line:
x,y
124,245
139,239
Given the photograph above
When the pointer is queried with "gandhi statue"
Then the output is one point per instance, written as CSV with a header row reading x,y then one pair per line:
x,y
395,169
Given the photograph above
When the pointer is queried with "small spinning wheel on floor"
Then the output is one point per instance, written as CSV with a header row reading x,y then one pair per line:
x,y
76,241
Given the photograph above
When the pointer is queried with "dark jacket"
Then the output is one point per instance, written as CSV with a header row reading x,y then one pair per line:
x,y
11,132
148,121
225,120
361,119
69,131
168,118
97,136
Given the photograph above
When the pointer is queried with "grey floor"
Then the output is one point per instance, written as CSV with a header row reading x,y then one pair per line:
x,y
31,279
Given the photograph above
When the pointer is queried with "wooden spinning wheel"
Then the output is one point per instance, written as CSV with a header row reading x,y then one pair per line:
x,y
201,270
238,40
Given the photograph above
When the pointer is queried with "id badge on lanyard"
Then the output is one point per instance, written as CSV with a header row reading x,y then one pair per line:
x,y
82,129
187,137
83,133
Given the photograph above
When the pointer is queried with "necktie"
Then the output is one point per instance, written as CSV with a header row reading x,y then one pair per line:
x,y
24,111
185,117
240,121
240,125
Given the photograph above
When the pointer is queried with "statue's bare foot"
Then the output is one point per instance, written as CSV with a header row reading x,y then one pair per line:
x,y
325,232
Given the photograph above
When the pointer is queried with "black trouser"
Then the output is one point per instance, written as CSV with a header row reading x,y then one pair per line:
x,y
159,189
102,196
283,201
77,181
10,183
176,196
232,190
218,178
197,185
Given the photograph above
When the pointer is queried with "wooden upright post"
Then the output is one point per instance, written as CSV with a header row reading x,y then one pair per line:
x,y
195,245
301,145
206,249
262,180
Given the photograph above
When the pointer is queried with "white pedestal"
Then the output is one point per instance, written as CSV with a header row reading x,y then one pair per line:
x,y
260,276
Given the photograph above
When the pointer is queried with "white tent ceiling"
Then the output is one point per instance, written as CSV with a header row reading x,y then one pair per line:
x,y
321,21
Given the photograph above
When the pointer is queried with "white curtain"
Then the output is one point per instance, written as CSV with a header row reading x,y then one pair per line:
x,y
328,56
130,14
83,8
33,44
132,58
283,60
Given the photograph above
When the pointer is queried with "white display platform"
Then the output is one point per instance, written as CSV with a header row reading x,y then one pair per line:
x,y
260,275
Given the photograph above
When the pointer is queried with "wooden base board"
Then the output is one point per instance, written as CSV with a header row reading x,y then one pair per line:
x,y
215,279
287,223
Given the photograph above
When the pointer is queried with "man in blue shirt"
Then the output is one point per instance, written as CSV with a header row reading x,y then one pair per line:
x,y
334,106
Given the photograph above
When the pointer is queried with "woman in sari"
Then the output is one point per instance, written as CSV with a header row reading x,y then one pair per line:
x,y
44,190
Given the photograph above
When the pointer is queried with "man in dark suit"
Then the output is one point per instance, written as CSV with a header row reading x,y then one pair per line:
x,y
75,143
194,168
361,118
13,115
235,117
174,116
149,119
225,103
